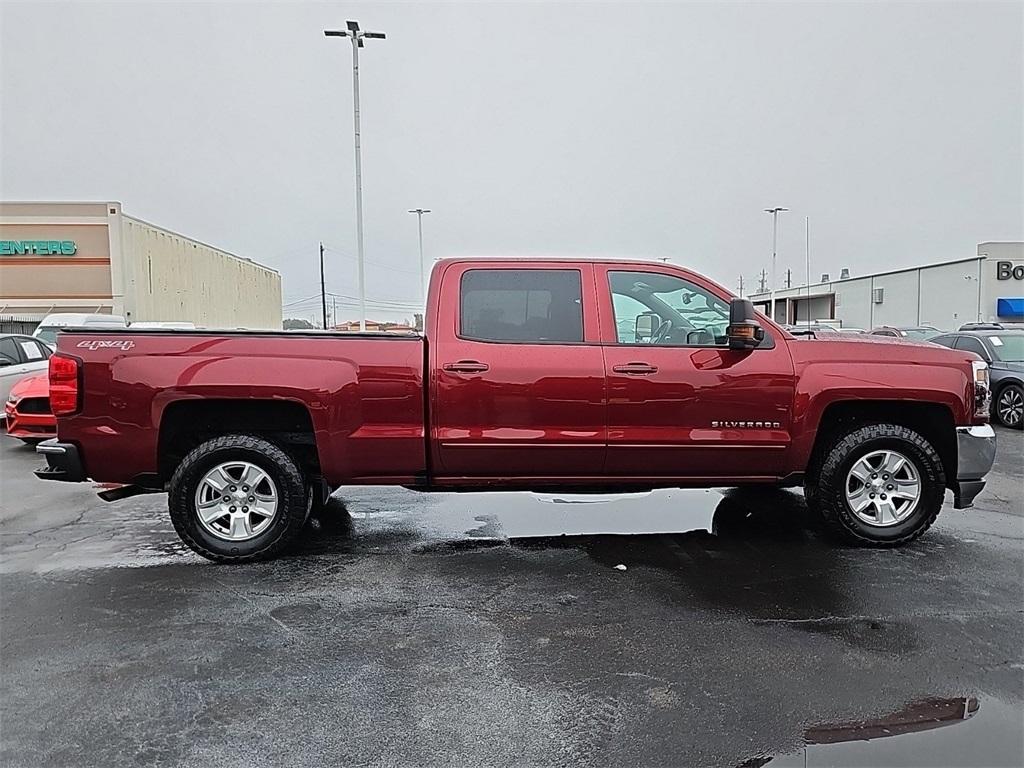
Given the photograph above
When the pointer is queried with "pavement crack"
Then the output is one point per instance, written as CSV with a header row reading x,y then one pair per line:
x,y
257,609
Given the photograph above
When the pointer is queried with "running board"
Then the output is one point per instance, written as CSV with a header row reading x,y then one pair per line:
x,y
125,492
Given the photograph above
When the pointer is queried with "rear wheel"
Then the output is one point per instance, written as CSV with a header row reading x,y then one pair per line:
x,y
879,484
237,498
1009,406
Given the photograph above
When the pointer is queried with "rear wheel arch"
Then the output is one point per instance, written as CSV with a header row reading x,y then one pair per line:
x,y
187,423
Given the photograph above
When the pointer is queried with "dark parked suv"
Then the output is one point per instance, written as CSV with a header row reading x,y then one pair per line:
x,y
1004,352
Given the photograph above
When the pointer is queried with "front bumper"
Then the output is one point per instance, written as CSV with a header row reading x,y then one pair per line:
x,y
29,425
975,453
62,462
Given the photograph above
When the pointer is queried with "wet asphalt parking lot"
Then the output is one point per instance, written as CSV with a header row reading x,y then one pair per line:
x,y
497,630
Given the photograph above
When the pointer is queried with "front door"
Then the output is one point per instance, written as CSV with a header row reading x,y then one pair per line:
x,y
517,388
680,402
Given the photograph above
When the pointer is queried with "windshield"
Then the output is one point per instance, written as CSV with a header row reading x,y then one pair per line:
x,y
49,335
919,334
1008,349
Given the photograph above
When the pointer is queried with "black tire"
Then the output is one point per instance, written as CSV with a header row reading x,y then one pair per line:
x,y
1002,412
286,475
826,491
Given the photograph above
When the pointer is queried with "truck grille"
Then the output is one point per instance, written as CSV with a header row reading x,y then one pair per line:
x,y
34,405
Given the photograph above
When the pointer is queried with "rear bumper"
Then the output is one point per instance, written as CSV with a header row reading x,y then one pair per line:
x,y
62,462
976,451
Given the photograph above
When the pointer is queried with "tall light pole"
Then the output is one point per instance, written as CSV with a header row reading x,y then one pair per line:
x,y
423,270
357,37
775,238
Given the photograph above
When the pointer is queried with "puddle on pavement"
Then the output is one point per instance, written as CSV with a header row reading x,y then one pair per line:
x,y
520,517
137,533
963,731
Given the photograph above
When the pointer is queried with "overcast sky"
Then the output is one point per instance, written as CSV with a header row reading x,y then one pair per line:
x,y
617,129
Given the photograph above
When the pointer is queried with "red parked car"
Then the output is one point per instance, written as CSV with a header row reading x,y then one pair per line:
x,y
29,417
532,375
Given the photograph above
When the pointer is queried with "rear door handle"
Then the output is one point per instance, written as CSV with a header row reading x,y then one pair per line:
x,y
635,369
466,366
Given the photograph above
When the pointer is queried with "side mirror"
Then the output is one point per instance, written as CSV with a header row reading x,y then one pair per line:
x,y
744,331
645,326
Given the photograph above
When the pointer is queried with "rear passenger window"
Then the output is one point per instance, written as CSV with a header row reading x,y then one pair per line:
x,y
9,351
525,305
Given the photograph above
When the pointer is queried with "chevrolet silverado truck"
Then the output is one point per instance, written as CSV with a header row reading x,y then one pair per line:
x,y
585,376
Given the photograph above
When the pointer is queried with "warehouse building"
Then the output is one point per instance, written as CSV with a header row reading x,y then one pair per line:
x,y
91,257
987,287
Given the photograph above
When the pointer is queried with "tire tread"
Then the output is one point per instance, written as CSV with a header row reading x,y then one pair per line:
x,y
180,505
827,487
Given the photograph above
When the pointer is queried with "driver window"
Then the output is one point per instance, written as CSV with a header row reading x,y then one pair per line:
x,y
665,310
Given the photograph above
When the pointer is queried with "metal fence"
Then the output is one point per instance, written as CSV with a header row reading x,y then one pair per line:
x,y
12,324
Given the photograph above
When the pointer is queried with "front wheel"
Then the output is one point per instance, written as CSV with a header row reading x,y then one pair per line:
x,y
878,485
237,498
1009,406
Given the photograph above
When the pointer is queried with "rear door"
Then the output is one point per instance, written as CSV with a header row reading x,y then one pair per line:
x,y
517,375
680,402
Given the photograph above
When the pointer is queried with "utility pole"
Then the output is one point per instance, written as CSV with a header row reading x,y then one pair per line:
x,y
789,278
357,37
775,237
323,292
807,260
764,281
334,311
741,286
423,269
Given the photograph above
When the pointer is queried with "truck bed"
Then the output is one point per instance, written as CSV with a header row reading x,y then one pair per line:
x,y
360,394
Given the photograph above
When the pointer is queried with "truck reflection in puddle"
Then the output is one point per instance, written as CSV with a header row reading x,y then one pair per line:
x,y
916,717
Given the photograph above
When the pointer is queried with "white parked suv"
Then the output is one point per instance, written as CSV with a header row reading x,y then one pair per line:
x,y
47,329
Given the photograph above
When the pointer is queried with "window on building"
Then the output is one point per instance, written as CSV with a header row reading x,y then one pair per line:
x,y
665,310
523,305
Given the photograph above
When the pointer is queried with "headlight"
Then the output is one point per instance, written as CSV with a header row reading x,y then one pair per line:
x,y
982,388
13,399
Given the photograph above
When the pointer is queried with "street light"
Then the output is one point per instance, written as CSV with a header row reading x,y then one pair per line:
x,y
775,231
357,37
423,272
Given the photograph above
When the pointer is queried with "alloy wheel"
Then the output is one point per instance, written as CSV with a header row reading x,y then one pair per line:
x,y
236,501
883,488
1011,407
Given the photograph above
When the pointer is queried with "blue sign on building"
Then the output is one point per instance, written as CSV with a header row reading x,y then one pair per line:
x,y
1010,308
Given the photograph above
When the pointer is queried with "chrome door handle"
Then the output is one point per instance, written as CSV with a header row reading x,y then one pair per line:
x,y
635,369
466,366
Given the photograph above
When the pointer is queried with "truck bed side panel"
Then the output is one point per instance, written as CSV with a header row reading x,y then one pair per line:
x,y
364,396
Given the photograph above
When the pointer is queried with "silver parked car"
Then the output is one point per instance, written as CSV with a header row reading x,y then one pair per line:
x,y
20,356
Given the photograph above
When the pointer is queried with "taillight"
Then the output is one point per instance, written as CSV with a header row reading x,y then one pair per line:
x,y
982,389
63,385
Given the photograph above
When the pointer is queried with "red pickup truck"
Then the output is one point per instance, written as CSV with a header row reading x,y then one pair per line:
x,y
532,375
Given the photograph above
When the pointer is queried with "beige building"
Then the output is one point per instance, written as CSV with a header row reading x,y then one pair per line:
x,y
90,257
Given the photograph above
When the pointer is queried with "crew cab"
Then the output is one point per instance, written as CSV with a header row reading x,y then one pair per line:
x,y
584,376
